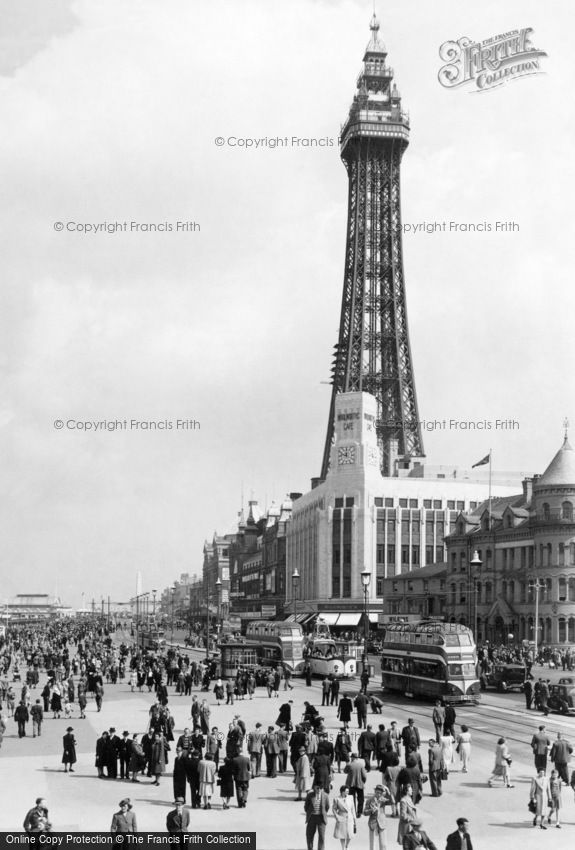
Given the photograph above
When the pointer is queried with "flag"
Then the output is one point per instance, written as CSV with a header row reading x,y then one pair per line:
x,y
483,461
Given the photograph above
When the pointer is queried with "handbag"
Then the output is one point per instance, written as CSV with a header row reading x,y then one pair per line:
x,y
424,777
532,806
444,773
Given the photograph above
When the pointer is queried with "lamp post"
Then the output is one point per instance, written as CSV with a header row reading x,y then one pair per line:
x,y
219,605
365,580
475,562
536,585
154,608
295,584
138,610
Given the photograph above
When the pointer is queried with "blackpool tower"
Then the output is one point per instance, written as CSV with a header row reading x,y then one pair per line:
x,y
372,353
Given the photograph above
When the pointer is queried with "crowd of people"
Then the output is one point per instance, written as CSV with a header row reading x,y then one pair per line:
x,y
211,766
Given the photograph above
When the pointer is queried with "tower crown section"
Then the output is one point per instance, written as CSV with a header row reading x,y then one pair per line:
x,y
376,109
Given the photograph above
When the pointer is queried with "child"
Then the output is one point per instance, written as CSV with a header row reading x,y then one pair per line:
x,y
554,797
68,709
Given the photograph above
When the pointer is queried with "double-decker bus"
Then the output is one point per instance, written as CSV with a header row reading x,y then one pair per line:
x,y
329,656
430,659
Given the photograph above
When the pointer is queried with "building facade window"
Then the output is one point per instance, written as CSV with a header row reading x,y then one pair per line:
x,y
567,511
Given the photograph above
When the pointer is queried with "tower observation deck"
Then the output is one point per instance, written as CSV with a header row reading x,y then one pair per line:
x,y
373,353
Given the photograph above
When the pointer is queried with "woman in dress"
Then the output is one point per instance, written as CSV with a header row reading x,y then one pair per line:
x,y
446,743
344,814
302,773
464,747
158,757
407,814
502,764
555,798
69,750
219,691
390,780
540,795
411,775
226,781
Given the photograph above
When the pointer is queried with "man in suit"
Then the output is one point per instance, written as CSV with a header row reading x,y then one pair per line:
x,y
366,746
255,747
560,753
113,753
125,753
241,769
316,809
540,744
271,749
416,837
361,702
438,719
460,839
436,766
355,781
410,737
178,820
375,811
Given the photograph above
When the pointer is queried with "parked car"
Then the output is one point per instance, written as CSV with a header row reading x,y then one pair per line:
x,y
504,677
562,698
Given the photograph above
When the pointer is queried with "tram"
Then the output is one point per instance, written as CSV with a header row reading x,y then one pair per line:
x,y
430,659
275,643
329,656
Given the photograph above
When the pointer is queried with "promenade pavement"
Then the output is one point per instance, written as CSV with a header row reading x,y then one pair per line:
x,y
30,768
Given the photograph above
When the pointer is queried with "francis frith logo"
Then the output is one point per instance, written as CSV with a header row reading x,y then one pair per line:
x,y
487,64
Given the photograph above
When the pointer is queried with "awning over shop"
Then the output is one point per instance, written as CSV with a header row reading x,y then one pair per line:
x,y
328,617
348,619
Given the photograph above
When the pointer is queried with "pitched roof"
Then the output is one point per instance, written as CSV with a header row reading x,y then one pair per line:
x,y
561,470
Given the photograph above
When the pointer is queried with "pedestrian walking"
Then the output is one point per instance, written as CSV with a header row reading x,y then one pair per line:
x,y
464,747
271,749
438,718
124,820
555,803
559,755
226,781
355,781
460,839
178,819
22,716
37,819
69,750
37,713
436,766
361,702
242,773
502,764
376,823
410,737
407,813
303,780
539,797
540,744
316,808
207,776
344,710
344,814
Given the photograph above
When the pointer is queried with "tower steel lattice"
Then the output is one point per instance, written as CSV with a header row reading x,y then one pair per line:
x,y
373,353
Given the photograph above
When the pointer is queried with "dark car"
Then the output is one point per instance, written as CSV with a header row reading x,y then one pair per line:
x,y
562,698
504,677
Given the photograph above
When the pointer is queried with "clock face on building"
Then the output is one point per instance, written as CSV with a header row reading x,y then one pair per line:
x,y
346,454
372,455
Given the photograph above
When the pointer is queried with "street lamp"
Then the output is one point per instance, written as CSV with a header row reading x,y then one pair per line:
x,y
476,563
537,585
154,609
365,580
219,604
295,584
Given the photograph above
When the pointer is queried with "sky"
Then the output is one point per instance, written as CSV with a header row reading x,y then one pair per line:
x,y
110,110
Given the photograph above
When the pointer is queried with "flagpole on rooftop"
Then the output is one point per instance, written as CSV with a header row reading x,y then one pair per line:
x,y
490,489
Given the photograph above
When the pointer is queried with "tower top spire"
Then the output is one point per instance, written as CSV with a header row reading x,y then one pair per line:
x,y
375,44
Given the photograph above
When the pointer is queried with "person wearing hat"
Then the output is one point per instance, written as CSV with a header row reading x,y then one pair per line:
x,y
375,811
416,837
178,820
124,753
302,770
410,737
436,766
113,753
460,839
69,751
125,819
